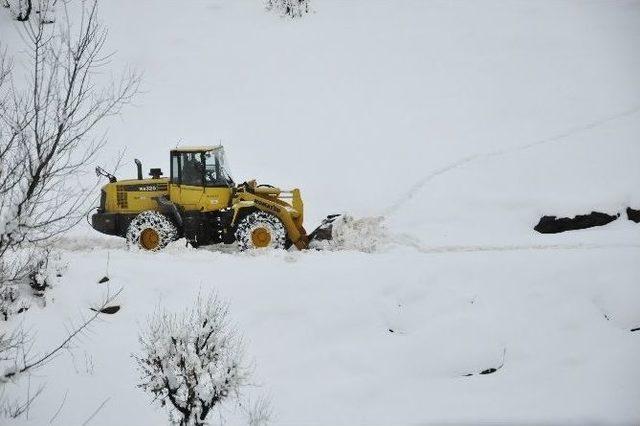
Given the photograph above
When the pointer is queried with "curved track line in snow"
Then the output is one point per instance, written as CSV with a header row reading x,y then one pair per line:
x,y
469,159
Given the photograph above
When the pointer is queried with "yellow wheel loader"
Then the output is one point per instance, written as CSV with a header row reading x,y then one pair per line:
x,y
201,202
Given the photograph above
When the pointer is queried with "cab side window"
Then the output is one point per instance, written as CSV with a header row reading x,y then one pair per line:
x,y
192,169
212,174
175,168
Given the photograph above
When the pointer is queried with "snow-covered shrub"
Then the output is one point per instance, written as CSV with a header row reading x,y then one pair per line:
x,y
20,9
44,269
191,362
25,276
10,303
291,8
24,10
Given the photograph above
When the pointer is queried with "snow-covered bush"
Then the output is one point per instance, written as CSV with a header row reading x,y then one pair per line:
x,y
24,10
20,9
192,362
10,303
41,268
291,8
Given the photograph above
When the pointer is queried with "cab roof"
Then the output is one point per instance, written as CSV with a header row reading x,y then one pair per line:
x,y
202,148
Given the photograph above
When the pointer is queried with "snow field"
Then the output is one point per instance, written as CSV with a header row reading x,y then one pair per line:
x,y
445,129
317,325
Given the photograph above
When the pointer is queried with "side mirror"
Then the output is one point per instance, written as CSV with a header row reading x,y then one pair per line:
x,y
102,172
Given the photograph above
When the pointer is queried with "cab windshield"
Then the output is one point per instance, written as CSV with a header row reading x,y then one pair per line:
x,y
216,171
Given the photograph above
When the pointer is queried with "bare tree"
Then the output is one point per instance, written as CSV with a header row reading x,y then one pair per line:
x,y
47,130
191,363
49,124
50,128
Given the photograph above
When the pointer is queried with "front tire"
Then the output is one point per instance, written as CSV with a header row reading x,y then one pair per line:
x,y
260,230
151,231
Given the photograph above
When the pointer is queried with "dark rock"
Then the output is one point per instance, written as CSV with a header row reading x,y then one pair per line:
x,y
109,310
554,225
633,215
103,280
635,329
489,371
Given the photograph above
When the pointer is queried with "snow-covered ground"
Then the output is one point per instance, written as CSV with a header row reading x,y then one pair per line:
x,y
459,124
318,329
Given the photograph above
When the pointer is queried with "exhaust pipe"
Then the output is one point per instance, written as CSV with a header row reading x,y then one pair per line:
x,y
139,166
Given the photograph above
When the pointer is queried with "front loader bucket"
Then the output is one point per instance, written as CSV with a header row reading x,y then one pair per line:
x,y
324,232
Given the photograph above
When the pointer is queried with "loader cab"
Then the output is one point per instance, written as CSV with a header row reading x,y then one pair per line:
x,y
200,178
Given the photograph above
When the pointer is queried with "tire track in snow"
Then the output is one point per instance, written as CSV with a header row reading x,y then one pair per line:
x,y
483,156
510,247
402,241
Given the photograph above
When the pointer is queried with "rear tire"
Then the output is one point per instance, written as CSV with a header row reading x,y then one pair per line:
x,y
260,230
151,231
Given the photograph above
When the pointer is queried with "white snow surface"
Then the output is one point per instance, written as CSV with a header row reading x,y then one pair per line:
x,y
446,129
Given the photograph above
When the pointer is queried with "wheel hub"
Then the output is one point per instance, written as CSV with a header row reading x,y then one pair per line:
x,y
149,239
261,237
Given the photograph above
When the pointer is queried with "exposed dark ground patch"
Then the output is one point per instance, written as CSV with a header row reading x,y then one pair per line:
x,y
554,225
633,215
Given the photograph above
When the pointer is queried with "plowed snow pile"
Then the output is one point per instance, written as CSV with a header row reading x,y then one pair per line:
x,y
367,234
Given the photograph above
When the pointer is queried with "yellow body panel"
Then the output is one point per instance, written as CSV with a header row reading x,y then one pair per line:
x,y
204,199
134,196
